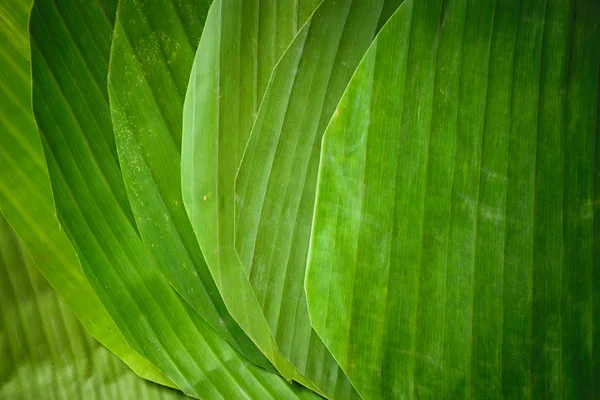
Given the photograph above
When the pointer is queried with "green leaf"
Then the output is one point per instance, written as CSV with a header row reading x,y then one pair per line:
x,y
70,102
226,88
45,351
151,56
274,191
26,197
455,239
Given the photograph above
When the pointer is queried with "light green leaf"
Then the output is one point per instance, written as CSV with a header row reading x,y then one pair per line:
x,y
274,191
225,91
70,102
26,197
454,248
45,351
151,57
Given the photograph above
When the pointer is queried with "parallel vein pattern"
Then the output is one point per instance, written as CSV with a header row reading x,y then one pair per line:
x,y
241,43
26,197
274,190
45,351
151,57
74,120
455,229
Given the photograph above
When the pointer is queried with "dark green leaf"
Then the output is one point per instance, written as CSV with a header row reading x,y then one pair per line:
x,y
455,238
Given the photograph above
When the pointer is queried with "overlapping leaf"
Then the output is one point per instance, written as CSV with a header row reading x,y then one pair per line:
x,y
45,351
234,60
454,246
274,191
26,197
70,52
151,58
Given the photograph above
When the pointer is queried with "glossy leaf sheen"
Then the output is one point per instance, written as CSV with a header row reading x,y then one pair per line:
x,y
454,249
26,197
71,107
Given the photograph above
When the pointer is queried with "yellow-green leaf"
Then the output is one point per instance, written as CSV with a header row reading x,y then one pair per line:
x,y
45,351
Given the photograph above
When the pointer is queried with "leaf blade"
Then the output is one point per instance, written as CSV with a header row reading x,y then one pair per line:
x,y
153,45
93,208
226,88
45,350
274,189
490,281
26,197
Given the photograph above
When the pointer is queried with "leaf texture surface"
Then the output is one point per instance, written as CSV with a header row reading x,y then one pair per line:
x,y
455,239
26,197
234,60
276,181
45,351
151,56
71,105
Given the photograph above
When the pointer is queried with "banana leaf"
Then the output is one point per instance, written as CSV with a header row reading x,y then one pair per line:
x,y
153,45
26,197
70,55
234,60
274,191
45,351
454,247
